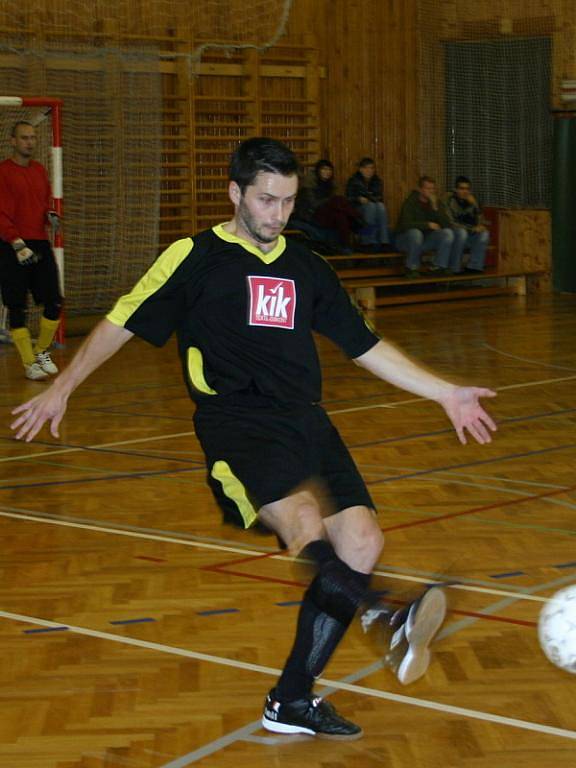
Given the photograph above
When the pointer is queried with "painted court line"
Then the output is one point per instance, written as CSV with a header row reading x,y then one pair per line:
x,y
76,449
331,413
271,671
249,554
411,400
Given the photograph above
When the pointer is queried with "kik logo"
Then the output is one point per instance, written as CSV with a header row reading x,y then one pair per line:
x,y
272,301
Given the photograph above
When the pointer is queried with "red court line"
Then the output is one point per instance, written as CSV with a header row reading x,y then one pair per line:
x,y
495,505
249,559
285,582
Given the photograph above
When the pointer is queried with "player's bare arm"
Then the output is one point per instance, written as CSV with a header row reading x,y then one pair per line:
x,y
462,404
104,341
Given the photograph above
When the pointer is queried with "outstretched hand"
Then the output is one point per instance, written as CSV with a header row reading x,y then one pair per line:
x,y
49,406
465,412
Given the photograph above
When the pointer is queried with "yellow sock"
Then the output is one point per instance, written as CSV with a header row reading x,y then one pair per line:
x,y
23,343
47,333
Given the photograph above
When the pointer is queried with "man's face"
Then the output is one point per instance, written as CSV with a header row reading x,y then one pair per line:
x,y
428,190
325,172
463,191
368,171
263,210
24,142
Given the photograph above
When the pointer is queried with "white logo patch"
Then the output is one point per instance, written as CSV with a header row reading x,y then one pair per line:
x,y
272,301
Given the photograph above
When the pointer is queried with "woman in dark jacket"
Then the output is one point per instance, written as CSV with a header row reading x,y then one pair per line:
x,y
319,204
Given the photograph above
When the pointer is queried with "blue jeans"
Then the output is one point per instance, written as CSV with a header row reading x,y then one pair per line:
x,y
376,220
476,241
414,243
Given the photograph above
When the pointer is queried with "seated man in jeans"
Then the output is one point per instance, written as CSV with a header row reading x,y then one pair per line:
x,y
364,189
425,225
469,231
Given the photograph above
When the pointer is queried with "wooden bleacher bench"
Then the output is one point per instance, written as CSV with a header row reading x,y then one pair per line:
x,y
384,285
378,279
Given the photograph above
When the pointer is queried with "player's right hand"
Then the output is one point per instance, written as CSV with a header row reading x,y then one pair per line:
x,y
50,406
26,256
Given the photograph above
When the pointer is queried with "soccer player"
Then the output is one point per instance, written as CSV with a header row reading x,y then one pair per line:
x,y
244,303
27,263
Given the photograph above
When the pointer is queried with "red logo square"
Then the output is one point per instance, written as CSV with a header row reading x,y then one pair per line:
x,y
272,301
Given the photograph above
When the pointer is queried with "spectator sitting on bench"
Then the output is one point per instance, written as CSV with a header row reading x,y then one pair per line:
x,y
332,217
425,225
365,191
469,229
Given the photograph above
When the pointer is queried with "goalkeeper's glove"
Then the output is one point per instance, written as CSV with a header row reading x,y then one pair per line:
x,y
54,220
25,255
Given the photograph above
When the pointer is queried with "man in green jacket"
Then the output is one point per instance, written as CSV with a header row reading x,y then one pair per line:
x,y
425,225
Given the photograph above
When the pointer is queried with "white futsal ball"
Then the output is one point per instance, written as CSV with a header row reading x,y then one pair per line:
x,y
557,629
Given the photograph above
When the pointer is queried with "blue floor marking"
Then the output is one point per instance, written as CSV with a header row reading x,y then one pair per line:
x,y
506,575
131,621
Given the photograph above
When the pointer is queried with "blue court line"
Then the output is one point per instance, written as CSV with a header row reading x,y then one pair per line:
x,y
449,430
217,612
103,391
506,575
44,629
111,412
112,451
289,603
124,476
505,457
131,621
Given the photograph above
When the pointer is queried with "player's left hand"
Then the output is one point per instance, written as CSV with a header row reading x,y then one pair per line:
x,y
462,404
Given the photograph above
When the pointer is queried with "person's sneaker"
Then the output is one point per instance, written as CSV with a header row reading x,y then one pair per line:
x,y
414,628
34,372
312,716
436,270
412,274
45,362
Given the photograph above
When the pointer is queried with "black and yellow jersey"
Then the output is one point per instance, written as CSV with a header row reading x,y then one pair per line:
x,y
244,319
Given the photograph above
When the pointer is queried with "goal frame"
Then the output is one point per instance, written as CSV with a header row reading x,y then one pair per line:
x,y
54,111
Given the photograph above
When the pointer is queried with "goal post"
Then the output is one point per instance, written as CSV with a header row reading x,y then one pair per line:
x,y
36,110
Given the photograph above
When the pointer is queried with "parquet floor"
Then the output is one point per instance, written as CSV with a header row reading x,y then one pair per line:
x,y
137,630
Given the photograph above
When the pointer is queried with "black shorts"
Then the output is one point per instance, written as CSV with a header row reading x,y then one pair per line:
x,y
40,279
259,453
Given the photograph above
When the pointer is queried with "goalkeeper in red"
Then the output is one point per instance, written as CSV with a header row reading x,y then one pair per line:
x,y
27,263
244,303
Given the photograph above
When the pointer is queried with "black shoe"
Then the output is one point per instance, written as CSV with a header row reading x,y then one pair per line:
x,y
470,271
312,716
387,248
435,270
412,274
414,627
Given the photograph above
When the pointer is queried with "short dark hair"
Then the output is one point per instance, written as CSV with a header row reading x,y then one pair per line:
x,y
14,128
426,179
366,161
261,155
462,180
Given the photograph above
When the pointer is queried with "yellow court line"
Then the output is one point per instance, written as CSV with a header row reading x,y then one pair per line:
x,y
248,552
358,689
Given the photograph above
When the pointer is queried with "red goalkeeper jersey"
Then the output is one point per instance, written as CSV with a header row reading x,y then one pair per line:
x,y
25,199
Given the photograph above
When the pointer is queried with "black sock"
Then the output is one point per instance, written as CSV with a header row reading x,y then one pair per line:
x,y
338,590
327,610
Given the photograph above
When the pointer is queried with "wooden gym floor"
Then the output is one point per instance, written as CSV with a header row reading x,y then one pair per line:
x,y
137,630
